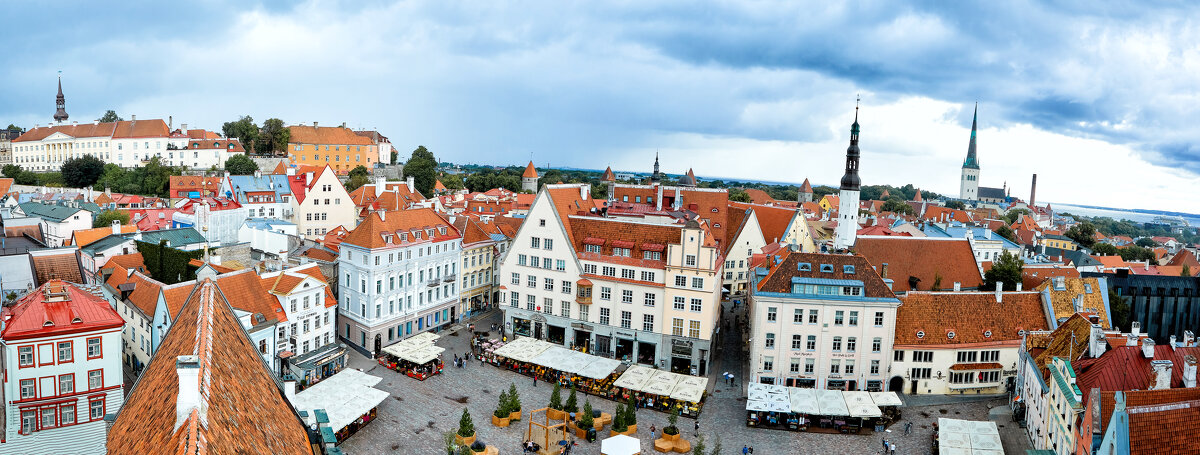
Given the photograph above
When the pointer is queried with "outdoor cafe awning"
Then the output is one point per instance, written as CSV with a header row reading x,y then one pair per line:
x,y
831,403
600,368
345,397
634,378
886,399
968,437
802,401
416,353
860,405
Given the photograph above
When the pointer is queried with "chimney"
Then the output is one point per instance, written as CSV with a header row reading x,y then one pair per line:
x,y
289,388
1096,344
257,174
1148,348
1171,342
1189,370
380,185
1160,374
116,227
412,184
1019,286
133,118
999,291
1033,192
1135,328
187,367
314,125
1131,339
883,271
1189,339
183,128
957,286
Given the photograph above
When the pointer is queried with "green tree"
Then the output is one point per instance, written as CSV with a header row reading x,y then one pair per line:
x,y
572,403
422,167
109,116
1013,214
1146,242
13,127
1007,232
556,397
105,218
244,130
738,195
716,450
82,172
240,164
1006,270
1104,249
514,399
466,428
395,155
355,182
1186,271
1120,309
957,205
26,178
630,412
452,182
154,177
502,406
698,447
1136,253
1083,233
896,205
586,420
11,171
273,137
671,428
359,170
618,419
599,190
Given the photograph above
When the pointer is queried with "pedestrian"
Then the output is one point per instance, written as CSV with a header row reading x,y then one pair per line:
x,y
745,450
535,380
885,446
697,431
893,448
751,450
907,427
652,431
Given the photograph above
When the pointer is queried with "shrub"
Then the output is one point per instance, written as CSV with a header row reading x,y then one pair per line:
x,y
502,407
572,403
586,420
671,429
556,398
631,413
466,428
619,425
514,399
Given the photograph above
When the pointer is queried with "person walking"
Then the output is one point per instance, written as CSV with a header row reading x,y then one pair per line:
x,y
907,428
697,430
652,430
535,379
745,450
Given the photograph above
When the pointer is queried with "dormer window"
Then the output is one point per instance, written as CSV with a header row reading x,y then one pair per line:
x,y
403,236
827,268
987,333
805,267
920,334
848,269
417,235
442,231
1087,287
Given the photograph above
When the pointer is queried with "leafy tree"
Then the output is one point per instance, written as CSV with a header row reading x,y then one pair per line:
x,y
355,182
109,116
452,182
957,205
240,164
244,130
13,127
894,204
273,137
671,429
26,178
1136,253
422,167
1146,242
572,403
82,172
1120,309
155,177
1012,215
105,218
1007,232
466,428
1082,233
556,397
599,190
1186,271
738,195
359,170
1104,249
11,171
1006,270
395,155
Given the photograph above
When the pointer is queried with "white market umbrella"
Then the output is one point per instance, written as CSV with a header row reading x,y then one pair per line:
x,y
620,445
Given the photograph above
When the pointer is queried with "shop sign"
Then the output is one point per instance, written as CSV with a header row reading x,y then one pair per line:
x,y
581,326
681,343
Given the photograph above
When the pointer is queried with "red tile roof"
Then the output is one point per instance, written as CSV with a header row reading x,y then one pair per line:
x,y
1125,368
968,315
5,185
923,258
806,187
608,175
786,265
758,196
132,261
60,266
610,233
117,130
326,135
1185,257
1164,421
939,213
370,233
243,405
1034,276
57,308
530,172
180,185
881,230
773,221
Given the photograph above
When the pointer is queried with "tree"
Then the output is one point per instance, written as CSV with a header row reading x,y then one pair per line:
x,y
13,127
1186,271
698,447
631,412
1083,233
1007,232
738,195
957,205
105,218
395,155
26,178
556,397
502,406
240,164
1132,253
671,429
11,171
894,204
572,404
466,428
586,420
1120,308
82,172
243,129
1006,270
514,399
599,190
618,419
1104,249
273,137
422,167
452,182
359,170
1013,214
716,450
1146,242
356,182
109,116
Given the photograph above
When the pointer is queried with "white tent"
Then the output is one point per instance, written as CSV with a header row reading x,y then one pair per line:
x,y
968,437
831,403
634,378
803,401
860,404
886,399
345,397
620,445
600,368
757,405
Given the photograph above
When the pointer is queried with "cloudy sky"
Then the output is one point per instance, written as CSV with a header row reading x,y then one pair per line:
x,y
1101,102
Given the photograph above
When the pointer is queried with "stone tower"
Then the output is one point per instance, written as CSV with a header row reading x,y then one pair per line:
x,y
529,180
847,228
968,188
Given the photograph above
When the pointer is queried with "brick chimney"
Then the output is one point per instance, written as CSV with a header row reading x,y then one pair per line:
x,y
1160,374
1189,370
187,367
1096,344
1148,348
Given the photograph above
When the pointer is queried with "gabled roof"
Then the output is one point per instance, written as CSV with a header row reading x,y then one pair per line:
x,y
806,187
242,407
84,237
1163,421
609,233
50,212
132,261
64,265
1185,257
1033,276
924,258
207,186
1087,290
1070,341
1126,368
5,185
326,135
785,268
57,308
608,175
530,172
117,130
371,232
969,315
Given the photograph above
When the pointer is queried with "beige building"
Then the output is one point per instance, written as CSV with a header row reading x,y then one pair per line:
x,y
320,202
338,147
478,265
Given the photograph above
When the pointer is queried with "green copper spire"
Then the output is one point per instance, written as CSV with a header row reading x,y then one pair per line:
x,y
971,162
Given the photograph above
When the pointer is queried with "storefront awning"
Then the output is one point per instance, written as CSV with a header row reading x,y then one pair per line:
x,y
976,366
600,368
345,397
886,399
968,437
831,403
803,401
860,404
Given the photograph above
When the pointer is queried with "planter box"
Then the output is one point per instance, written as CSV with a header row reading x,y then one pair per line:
x,y
555,414
631,431
515,415
499,421
464,441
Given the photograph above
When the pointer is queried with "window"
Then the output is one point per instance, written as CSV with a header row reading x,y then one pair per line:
x,y
697,305
811,344
838,317
849,367
566,287
809,366
680,281
770,312
549,244
770,341
67,414
837,344
605,293
648,322
592,248
94,350
626,296
95,379
679,304
797,315
835,366
565,309
535,242
622,252
690,260
812,316
876,345
768,363
795,366
694,328
797,342
514,300
608,271
547,263
989,356
520,259
25,356
535,261
548,284
967,356
677,327
627,274
647,276
583,313
531,281
548,305
96,408
530,302
604,316
64,352
28,389
560,265
66,384
28,421
698,283
878,318
49,418
626,319
649,299
516,278
652,255
922,356
853,318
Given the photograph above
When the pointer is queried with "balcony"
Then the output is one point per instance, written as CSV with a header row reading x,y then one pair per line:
x,y
449,278
434,283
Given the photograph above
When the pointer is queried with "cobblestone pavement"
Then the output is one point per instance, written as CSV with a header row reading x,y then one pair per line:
x,y
418,413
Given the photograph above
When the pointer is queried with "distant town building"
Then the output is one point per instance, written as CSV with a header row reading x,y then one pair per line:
x,y
336,146
847,228
529,179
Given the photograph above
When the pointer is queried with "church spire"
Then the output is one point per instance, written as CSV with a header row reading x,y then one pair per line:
x,y
656,176
971,162
60,102
850,181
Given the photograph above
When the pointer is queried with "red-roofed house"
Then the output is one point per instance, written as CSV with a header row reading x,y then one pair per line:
x,y
62,346
320,202
311,313
335,147
127,143
922,263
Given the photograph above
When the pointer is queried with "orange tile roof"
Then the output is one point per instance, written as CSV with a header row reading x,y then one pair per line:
x,y
1185,257
1163,421
610,233
806,187
85,237
1111,262
319,254
132,261
61,266
939,213
117,130
245,292
219,268
530,172
1032,277
370,233
145,293
773,221
758,196
969,315
608,175
5,185
1070,340
1063,301
243,403
922,258
330,135
207,186
917,197
314,271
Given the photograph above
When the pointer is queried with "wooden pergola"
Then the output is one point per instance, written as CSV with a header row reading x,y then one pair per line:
x,y
545,434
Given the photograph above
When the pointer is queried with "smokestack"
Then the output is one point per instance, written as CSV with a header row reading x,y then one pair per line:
x,y
1161,374
187,367
1148,348
1033,191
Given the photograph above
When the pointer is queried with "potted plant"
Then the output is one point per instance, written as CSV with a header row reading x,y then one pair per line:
x,y
514,403
585,421
500,417
478,447
449,438
466,429
571,406
671,432
618,425
631,417
555,408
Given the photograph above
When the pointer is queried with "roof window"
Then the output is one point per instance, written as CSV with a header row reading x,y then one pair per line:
x,y
848,269
828,268
987,333
805,267
920,334
950,334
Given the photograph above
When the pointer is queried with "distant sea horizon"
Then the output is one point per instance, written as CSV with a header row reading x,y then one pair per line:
x,y
1116,213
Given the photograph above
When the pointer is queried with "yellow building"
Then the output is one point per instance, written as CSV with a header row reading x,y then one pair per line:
x,y
477,265
336,146
829,202
1060,242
